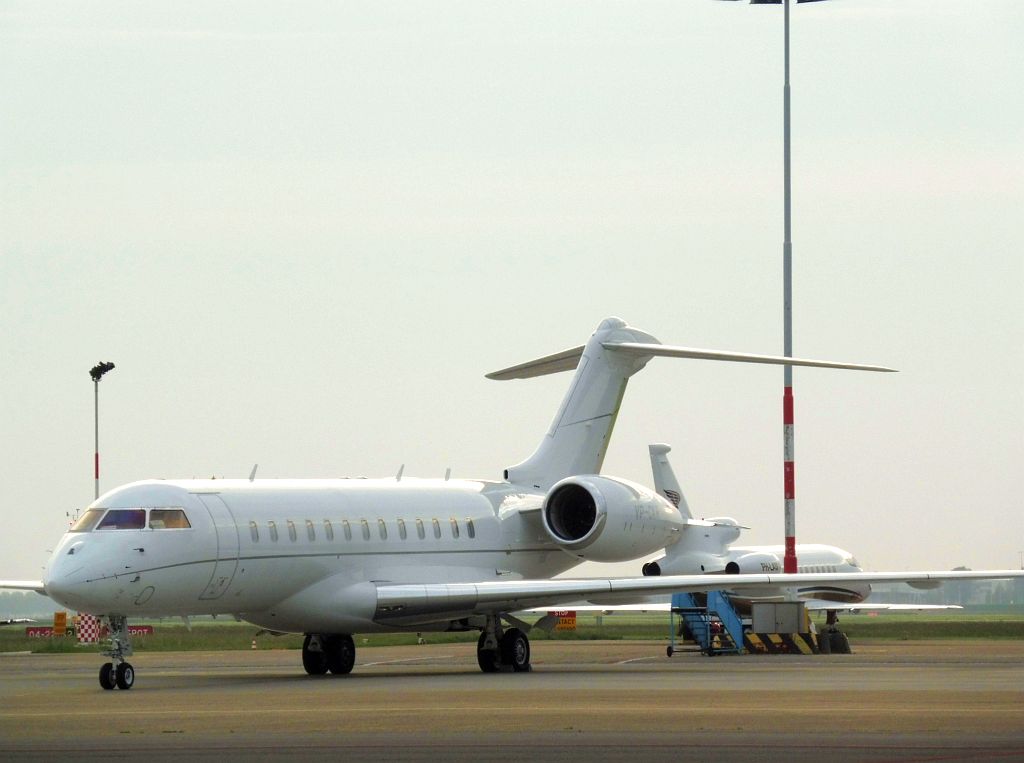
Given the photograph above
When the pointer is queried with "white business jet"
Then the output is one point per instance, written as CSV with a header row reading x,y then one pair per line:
x,y
330,558
706,546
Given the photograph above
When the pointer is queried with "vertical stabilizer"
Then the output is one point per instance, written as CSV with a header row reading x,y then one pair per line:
x,y
578,437
665,482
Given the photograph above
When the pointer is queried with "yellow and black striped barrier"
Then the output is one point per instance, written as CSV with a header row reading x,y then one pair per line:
x,y
780,643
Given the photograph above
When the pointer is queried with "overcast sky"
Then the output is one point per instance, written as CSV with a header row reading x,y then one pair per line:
x,y
304,231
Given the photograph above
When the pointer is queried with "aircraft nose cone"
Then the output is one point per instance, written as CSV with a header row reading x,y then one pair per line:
x,y
63,578
58,587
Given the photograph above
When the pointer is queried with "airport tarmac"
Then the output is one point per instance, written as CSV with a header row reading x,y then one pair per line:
x,y
906,701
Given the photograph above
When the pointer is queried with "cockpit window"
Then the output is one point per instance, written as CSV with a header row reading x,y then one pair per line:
x,y
123,519
168,519
87,521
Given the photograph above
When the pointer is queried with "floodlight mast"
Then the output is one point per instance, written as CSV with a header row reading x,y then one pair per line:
x,y
97,372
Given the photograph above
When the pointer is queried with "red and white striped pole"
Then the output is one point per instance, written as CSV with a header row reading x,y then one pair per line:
x,y
789,563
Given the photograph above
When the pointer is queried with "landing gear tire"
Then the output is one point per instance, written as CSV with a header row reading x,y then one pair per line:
x,y
487,659
840,643
341,653
515,650
125,676
107,678
669,651
825,643
314,663
118,672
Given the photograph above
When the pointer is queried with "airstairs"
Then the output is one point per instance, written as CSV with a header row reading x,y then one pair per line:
x,y
714,624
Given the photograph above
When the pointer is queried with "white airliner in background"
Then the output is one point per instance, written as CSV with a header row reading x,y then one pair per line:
x,y
331,558
705,546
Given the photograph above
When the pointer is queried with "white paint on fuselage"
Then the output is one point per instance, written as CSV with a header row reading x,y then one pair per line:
x,y
279,583
811,558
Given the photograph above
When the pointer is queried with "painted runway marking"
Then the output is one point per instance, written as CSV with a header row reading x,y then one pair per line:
x,y
410,659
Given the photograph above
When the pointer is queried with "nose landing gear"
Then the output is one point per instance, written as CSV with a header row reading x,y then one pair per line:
x,y
119,672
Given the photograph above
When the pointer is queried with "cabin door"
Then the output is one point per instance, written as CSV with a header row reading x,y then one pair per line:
x,y
227,546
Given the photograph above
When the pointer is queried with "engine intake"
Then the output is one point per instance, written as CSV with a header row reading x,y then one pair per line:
x,y
756,562
571,513
608,520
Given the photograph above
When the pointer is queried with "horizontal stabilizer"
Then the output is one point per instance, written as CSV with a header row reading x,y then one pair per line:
x,y
669,351
566,360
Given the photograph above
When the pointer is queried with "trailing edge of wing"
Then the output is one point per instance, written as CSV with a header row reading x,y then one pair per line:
x,y
566,360
669,351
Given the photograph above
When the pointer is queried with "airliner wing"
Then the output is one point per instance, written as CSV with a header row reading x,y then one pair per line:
x,y
816,605
408,604
813,605
23,585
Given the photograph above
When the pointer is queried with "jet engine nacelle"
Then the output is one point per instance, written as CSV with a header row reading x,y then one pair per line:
x,y
703,547
607,519
754,563
695,563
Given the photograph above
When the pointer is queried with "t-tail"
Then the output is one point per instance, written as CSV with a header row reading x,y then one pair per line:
x,y
578,438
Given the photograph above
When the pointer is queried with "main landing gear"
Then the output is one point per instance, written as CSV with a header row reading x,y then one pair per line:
x,y
323,652
119,672
504,651
832,640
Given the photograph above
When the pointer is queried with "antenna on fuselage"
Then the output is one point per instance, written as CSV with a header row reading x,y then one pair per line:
x,y
252,474
398,477
448,476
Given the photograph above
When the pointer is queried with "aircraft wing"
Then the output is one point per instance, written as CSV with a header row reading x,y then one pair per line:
x,y
23,585
411,603
813,605
816,605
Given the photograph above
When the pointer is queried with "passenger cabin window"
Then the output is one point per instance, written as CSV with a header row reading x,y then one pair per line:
x,y
470,528
168,519
455,527
310,532
273,530
347,528
292,535
366,529
437,528
401,529
328,530
254,531
382,528
123,519
419,529
87,521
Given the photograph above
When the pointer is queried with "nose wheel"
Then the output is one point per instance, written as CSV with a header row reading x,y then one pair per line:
x,y
119,672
